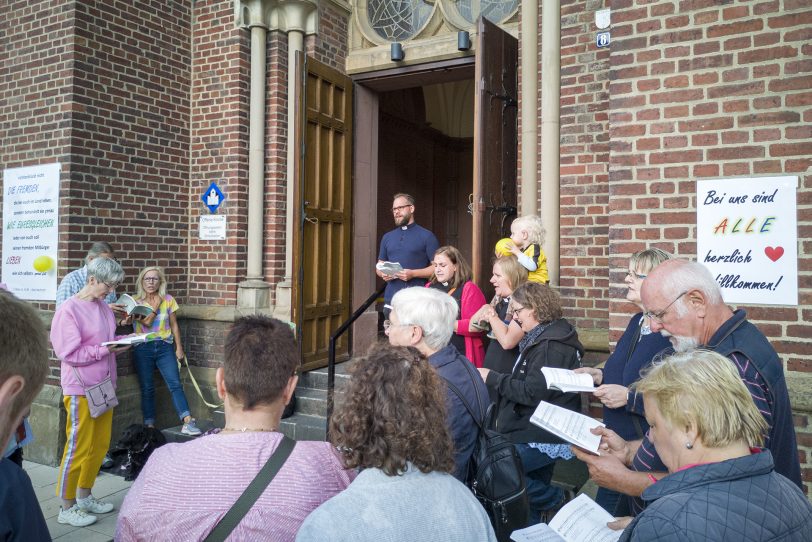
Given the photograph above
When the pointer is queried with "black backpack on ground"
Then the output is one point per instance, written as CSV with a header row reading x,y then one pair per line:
x,y
495,475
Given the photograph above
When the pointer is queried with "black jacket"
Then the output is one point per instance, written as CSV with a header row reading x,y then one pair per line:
x,y
520,392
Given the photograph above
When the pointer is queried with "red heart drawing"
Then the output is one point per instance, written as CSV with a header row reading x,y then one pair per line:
x,y
774,253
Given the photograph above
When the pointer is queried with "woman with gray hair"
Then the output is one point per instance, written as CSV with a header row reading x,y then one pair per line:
x,y
80,326
720,486
622,408
424,318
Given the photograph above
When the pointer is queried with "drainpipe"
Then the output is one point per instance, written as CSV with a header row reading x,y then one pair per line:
x,y
550,134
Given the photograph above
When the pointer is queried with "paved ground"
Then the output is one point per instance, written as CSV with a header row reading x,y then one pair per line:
x,y
108,487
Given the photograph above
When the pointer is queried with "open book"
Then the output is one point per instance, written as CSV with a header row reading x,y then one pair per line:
x,y
580,520
566,380
129,339
133,307
570,426
389,268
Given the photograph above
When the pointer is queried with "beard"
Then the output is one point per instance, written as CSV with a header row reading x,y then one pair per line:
x,y
680,344
403,220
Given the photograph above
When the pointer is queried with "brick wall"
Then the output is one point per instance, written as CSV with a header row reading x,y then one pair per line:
x,y
702,89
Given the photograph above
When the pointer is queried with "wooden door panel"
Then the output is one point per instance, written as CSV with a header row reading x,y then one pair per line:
x,y
323,293
495,141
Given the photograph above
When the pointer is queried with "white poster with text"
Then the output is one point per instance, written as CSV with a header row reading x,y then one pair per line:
x,y
747,236
31,231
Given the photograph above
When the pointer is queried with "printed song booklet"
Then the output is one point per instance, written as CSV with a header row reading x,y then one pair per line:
x,y
133,307
389,268
567,381
570,426
580,520
130,339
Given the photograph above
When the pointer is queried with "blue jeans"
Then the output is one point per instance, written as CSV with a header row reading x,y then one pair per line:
x,y
538,470
161,354
608,500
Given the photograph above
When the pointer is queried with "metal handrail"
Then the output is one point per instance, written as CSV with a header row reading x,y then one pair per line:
x,y
331,352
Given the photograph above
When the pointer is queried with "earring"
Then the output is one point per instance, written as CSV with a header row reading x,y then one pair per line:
x,y
689,445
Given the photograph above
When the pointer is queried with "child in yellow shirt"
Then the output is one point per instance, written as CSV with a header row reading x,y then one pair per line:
x,y
526,237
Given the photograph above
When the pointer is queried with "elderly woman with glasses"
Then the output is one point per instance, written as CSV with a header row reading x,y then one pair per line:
x,y
549,341
623,409
162,349
80,326
708,432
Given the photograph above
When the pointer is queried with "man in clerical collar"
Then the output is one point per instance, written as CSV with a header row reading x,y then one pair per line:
x,y
409,245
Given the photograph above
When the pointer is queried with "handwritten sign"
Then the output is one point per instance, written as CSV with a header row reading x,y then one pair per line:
x,y
747,236
31,231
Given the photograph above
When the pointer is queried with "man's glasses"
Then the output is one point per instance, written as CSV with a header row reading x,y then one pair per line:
x,y
658,316
400,207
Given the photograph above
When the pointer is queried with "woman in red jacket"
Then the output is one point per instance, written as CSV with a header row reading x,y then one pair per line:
x,y
452,275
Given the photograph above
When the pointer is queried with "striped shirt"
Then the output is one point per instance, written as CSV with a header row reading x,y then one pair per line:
x,y
72,283
185,489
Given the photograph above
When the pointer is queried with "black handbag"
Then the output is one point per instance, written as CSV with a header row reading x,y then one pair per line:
x,y
496,476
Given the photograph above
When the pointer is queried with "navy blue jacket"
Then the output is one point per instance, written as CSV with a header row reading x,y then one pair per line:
x,y
742,499
20,514
455,368
623,368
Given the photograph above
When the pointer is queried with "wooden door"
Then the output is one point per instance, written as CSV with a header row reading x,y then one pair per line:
x,y
495,142
323,200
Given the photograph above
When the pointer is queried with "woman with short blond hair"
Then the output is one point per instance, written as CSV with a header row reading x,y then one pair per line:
x,y
720,486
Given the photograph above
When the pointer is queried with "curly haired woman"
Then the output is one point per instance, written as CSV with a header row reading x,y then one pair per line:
x,y
389,427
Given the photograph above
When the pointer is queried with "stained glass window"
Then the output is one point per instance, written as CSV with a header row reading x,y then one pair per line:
x,y
494,10
397,20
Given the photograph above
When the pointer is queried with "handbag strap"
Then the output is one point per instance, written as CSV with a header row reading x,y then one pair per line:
x,y
252,492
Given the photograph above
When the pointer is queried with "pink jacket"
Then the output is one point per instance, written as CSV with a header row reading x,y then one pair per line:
x,y
77,331
471,301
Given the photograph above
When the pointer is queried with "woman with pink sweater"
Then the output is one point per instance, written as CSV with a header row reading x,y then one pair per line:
x,y
80,326
452,275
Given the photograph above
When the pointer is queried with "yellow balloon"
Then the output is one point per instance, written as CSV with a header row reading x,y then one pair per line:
x,y
43,263
503,247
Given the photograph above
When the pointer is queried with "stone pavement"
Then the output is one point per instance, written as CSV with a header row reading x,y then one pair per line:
x,y
108,487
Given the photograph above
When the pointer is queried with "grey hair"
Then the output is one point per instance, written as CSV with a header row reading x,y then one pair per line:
x,y
105,270
98,248
433,311
690,276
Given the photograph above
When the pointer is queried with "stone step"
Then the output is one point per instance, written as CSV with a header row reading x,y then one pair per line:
x,y
313,402
317,379
174,434
304,427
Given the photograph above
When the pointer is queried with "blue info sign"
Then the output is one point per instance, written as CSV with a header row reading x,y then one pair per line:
x,y
213,197
602,39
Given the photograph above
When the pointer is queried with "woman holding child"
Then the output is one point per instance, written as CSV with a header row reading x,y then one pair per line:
x,y
162,350
549,341
452,275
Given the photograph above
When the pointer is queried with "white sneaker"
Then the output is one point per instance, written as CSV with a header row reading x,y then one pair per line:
x,y
190,428
75,516
90,504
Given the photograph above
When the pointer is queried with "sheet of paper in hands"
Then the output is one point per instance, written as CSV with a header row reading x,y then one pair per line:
x,y
129,339
570,426
580,520
566,380
389,268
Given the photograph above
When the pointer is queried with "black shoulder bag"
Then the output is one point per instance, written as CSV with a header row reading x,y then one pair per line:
x,y
495,475
252,492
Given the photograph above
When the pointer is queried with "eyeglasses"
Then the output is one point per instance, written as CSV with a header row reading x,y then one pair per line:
x,y
635,276
387,325
111,286
400,207
152,279
517,309
658,316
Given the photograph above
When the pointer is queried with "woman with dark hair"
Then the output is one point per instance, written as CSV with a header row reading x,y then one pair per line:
x,y
549,341
389,428
452,275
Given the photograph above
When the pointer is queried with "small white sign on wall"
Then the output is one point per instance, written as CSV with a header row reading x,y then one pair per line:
x,y
747,236
212,227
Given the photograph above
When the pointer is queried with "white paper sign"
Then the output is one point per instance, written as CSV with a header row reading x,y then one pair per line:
x,y
747,236
31,231
212,227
